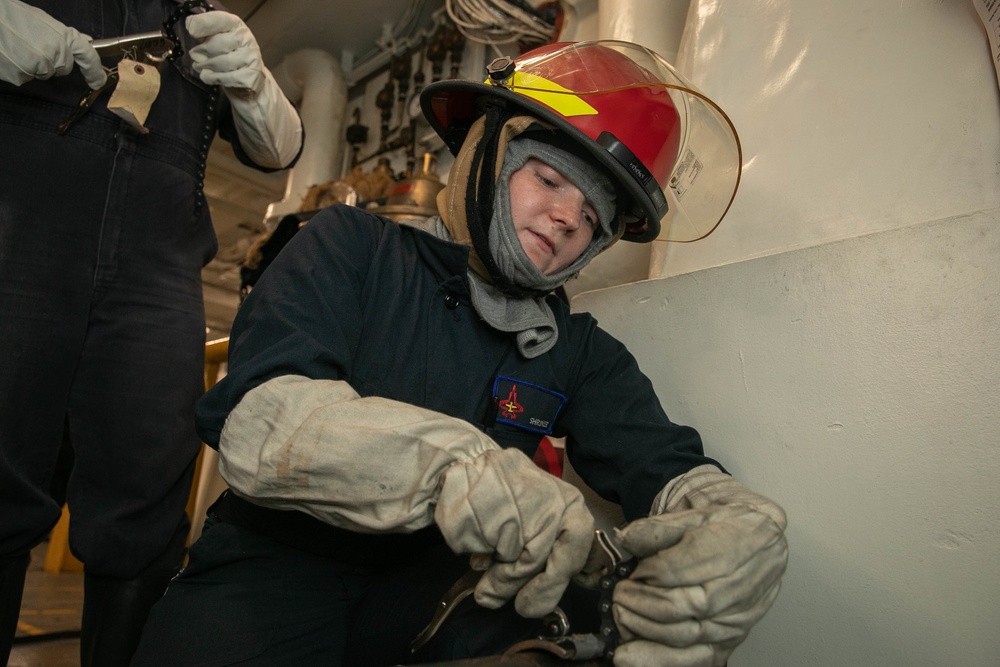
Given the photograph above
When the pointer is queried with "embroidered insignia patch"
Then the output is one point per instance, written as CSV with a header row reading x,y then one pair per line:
x,y
526,405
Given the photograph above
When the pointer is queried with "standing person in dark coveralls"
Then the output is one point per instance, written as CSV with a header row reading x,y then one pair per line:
x,y
387,385
103,234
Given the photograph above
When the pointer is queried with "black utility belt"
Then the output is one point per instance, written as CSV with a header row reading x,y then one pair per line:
x,y
305,533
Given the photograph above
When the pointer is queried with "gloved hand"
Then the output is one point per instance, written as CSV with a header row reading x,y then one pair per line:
x,y
33,45
269,127
709,568
535,525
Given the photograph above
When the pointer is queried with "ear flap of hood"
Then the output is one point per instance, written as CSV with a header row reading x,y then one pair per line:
x,y
451,200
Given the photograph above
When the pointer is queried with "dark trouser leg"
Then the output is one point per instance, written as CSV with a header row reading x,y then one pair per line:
x,y
115,609
140,374
102,321
114,612
131,415
47,252
247,600
12,571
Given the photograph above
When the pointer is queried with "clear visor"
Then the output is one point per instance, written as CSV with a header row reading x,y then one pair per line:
x,y
706,172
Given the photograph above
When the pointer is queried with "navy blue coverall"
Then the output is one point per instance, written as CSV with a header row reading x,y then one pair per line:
x,y
386,308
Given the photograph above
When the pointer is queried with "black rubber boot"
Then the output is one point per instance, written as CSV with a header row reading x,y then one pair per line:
x,y
114,612
12,571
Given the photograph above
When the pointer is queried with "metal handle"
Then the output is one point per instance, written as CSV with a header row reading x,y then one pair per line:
x,y
143,42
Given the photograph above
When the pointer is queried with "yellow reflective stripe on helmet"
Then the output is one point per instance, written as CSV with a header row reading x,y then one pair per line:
x,y
551,94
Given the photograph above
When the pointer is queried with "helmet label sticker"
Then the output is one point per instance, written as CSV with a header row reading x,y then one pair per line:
x,y
686,173
526,405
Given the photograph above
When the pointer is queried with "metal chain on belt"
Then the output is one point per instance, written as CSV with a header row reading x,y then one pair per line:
x,y
609,630
596,646
182,10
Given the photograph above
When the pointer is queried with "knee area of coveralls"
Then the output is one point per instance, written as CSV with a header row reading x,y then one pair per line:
x,y
244,598
386,621
247,599
152,549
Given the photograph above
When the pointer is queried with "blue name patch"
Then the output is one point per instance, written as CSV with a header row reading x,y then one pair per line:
x,y
526,405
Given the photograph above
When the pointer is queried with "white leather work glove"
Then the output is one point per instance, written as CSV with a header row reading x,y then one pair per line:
x,y
709,567
33,45
269,128
535,525
369,465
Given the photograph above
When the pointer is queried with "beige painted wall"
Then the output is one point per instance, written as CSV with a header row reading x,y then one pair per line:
x,y
836,340
858,384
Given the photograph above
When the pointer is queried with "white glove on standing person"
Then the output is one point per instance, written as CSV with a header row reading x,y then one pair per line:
x,y
709,568
536,526
33,45
269,128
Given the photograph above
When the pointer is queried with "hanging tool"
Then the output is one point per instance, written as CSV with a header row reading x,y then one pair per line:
x,y
384,103
357,135
399,70
415,114
437,51
455,43
88,99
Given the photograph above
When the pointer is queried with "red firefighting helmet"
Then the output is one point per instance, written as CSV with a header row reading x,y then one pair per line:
x,y
672,150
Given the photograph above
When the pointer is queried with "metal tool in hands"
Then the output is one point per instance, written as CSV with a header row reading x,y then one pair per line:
x,y
461,589
88,100
146,45
155,47
600,645
605,565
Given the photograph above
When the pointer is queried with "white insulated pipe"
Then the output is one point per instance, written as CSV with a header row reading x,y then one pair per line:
x,y
657,25
314,81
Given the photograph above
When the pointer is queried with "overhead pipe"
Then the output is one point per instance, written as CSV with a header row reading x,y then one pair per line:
x,y
657,25
314,81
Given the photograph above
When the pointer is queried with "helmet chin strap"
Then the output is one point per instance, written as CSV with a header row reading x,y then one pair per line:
x,y
479,201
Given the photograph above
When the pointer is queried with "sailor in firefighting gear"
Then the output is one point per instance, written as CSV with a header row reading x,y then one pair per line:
x,y
387,385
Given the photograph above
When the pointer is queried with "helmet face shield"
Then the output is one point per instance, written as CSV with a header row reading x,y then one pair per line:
x,y
672,150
